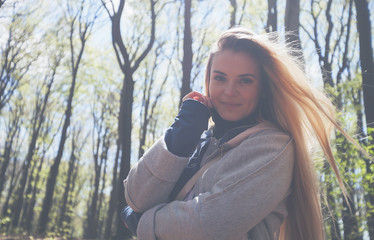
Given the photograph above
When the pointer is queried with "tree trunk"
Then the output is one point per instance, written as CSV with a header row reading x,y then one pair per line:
x,y
104,157
292,25
92,214
366,58
13,130
30,213
145,118
272,22
367,70
128,67
75,62
350,221
113,197
67,190
121,54
27,197
187,52
148,108
13,180
39,117
37,122
18,203
53,173
6,159
125,127
233,11
344,148
334,230
323,54
92,220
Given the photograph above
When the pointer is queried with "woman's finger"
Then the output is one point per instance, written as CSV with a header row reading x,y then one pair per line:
x,y
194,95
199,97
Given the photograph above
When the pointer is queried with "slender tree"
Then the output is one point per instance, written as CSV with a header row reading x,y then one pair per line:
x,y
324,54
104,158
113,194
292,25
345,151
28,219
77,144
38,118
272,22
128,65
108,218
12,155
233,11
12,131
367,71
62,221
187,52
100,134
350,211
366,57
148,105
76,20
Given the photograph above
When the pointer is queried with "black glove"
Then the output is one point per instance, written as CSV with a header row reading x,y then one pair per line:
x,y
184,134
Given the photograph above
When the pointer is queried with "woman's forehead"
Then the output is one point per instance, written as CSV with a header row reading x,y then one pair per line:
x,y
235,61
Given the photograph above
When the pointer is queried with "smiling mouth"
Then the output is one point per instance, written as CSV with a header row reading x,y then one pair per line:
x,y
227,104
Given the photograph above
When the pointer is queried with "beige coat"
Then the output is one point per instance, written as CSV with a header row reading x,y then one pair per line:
x,y
241,196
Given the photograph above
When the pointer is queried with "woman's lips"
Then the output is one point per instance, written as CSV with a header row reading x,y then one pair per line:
x,y
229,104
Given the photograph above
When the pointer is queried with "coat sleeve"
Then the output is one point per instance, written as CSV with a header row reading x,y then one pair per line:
x,y
151,180
250,184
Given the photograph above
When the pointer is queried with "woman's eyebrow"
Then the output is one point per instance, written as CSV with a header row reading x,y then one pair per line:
x,y
219,72
241,75
247,75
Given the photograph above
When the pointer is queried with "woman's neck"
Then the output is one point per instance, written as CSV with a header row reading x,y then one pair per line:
x,y
221,126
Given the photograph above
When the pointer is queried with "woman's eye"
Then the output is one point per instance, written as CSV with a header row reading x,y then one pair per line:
x,y
219,78
246,80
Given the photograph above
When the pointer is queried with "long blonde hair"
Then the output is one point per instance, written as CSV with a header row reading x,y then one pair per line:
x,y
289,101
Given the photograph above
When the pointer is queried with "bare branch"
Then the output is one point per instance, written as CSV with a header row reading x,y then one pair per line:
x,y
241,17
152,37
346,48
15,57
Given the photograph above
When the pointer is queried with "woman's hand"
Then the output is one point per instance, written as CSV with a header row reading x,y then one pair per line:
x,y
184,134
199,97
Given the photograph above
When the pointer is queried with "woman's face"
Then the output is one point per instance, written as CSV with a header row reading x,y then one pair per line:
x,y
234,85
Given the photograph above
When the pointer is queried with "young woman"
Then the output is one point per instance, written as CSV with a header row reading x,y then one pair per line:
x,y
250,175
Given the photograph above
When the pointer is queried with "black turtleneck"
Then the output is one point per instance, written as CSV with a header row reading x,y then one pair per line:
x,y
220,129
221,126
184,134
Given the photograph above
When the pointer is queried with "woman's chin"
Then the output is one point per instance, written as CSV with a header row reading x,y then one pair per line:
x,y
231,117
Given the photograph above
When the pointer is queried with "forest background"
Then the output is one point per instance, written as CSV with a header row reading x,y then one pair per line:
x,y
87,86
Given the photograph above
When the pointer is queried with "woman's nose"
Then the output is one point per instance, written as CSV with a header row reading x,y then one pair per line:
x,y
231,89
